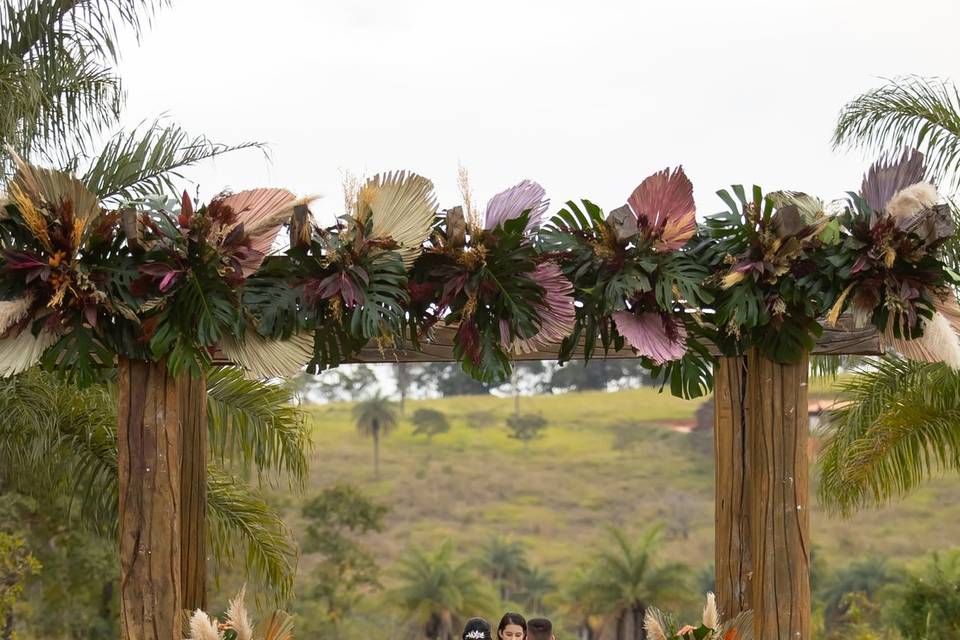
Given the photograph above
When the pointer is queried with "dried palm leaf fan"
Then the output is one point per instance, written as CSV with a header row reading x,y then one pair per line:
x,y
401,205
663,626
238,626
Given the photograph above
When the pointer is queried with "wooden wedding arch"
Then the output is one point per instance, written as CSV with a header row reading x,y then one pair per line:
x,y
762,481
762,525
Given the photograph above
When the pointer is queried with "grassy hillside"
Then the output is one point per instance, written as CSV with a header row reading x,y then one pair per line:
x,y
612,458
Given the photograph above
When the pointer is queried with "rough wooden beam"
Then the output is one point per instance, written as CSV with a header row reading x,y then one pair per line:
x,y
733,543
779,427
148,441
192,395
842,339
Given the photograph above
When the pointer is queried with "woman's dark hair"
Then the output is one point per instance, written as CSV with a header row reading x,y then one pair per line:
x,y
512,618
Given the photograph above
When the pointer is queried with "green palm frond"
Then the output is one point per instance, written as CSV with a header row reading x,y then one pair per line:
x,y
901,424
256,423
907,112
240,517
58,439
57,79
148,159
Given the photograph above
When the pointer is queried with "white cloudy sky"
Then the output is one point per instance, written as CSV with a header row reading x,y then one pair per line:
x,y
586,97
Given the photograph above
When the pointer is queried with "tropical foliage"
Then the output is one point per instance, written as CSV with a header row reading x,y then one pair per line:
x,y
60,440
175,280
899,425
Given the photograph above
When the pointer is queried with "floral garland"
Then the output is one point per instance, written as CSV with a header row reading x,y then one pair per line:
x,y
178,281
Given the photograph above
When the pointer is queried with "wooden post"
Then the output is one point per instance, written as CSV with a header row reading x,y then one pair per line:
x,y
148,441
779,500
192,393
733,544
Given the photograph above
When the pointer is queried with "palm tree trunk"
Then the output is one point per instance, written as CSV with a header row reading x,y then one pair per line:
x,y
376,452
639,612
192,394
446,619
402,383
148,442
8,626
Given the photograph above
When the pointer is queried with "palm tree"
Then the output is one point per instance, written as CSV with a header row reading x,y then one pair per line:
x,y
901,422
376,417
439,592
505,563
60,91
626,579
58,439
537,585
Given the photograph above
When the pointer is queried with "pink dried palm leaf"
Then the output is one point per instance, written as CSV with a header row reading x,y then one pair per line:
x,y
511,203
886,177
663,204
261,212
557,313
649,334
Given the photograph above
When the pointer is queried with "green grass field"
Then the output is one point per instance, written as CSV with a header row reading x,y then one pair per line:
x,y
605,458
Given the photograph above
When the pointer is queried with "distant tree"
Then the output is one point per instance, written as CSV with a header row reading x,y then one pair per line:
x,y
505,563
439,591
927,607
430,422
526,427
626,579
446,379
480,419
347,382
597,375
16,564
866,576
536,585
403,384
336,517
375,417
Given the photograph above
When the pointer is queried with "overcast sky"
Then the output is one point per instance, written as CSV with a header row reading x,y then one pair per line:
x,y
585,97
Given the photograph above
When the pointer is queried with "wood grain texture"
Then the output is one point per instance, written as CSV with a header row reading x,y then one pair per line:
x,y
192,394
148,441
843,339
780,489
733,544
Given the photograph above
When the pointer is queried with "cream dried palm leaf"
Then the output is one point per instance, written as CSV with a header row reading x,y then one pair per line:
x,y
401,206
655,624
237,617
19,353
202,627
13,311
261,357
711,618
278,627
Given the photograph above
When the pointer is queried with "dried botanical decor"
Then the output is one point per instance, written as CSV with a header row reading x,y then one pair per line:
x,y
663,626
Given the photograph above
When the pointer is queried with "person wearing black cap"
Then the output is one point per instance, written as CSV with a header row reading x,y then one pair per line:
x,y
540,629
477,629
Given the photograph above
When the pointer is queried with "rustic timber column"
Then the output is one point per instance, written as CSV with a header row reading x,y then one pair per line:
x,y
733,544
780,490
148,440
192,393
